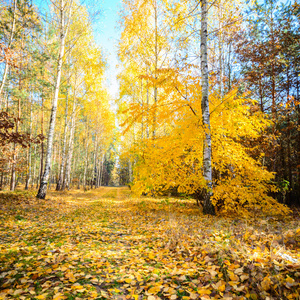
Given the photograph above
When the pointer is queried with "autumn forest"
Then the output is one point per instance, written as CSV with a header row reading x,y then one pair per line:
x,y
182,183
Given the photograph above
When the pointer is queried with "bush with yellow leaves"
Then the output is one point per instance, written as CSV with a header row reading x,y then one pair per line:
x,y
174,160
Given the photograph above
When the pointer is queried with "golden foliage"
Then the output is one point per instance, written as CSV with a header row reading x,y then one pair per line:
x,y
174,160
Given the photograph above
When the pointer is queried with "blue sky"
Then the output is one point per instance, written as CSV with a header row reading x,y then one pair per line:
x,y
106,33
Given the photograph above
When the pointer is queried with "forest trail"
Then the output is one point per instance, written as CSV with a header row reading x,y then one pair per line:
x,y
107,244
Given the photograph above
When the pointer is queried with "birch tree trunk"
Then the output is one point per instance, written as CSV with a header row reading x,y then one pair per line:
x,y
9,45
34,166
13,167
220,41
208,208
28,173
155,68
63,32
102,169
63,157
100,172
130,171
94,171
66,181
86,160
42,146
147,125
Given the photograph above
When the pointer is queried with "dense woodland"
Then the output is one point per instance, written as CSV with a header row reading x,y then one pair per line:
x,y
60,127
51,67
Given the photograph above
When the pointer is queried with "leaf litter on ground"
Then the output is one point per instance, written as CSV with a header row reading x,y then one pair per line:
x,y
105,244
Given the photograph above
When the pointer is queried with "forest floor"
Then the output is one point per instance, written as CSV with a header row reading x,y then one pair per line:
x,y
106,244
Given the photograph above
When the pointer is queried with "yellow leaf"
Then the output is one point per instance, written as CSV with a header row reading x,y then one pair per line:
x,y
76,286
290,282
70,276
154,290
220,286
93,294
41,297
218,238
232,276
203,292
151,256
226,262
59,296
139,277
266,283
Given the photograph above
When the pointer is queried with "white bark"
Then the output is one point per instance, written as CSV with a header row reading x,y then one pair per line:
x,y
86,159
207,167
63,157
67,177
62,38
28,175
9,45
155,68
